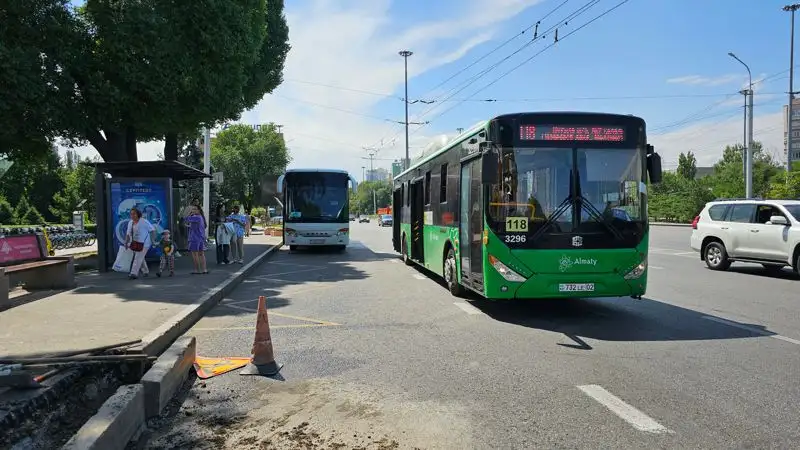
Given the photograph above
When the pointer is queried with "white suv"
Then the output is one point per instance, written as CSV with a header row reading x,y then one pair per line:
x,y
765,232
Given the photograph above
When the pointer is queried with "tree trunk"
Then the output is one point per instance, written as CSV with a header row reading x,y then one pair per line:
x,y
171,147
130,143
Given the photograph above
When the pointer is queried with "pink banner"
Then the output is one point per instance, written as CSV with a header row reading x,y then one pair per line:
x,y
19,248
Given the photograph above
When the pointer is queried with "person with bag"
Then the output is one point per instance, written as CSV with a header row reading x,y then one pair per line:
x,y
223,236
138,238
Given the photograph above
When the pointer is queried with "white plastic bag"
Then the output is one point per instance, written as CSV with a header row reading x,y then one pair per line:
x,y
124,260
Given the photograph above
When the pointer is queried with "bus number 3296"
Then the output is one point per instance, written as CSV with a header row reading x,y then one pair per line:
x,y
515,238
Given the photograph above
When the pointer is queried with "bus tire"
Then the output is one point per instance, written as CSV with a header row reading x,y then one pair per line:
x,y
404,252
292,248
341,248
451,274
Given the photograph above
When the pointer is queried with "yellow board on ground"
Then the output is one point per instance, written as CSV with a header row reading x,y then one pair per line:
x,y
211,367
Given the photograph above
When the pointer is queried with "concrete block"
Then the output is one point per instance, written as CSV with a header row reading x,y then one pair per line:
x,y
115,424
167,374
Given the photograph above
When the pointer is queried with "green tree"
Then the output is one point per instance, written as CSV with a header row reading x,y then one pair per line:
x,y
32,217
78,182
728,178
21,210
40,40
687,166
6,213
36,177
783,187
364,202
114,72
247,158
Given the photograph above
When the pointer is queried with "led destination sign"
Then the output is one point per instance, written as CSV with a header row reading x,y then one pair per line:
x,y
589,133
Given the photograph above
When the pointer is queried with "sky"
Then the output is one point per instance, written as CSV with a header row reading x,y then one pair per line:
x,y
663,60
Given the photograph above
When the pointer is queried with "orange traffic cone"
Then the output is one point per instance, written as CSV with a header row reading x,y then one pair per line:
x,y
263,362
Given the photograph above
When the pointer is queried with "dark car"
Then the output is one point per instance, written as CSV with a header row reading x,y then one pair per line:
x,y
385,220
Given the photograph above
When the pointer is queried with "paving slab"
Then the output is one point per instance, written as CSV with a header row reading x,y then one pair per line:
x,y
107,308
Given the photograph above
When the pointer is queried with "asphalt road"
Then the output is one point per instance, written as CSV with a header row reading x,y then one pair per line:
x,y
379,355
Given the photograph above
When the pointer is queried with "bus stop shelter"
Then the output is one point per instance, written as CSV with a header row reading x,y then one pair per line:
x,y
165,174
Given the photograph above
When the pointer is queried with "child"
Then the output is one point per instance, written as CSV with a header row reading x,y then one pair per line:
x,y
167,254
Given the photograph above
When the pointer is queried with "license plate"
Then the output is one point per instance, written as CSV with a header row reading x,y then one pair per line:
x,y
576,287
317,241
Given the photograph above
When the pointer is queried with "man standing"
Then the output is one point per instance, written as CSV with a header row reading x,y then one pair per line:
x,y
237,244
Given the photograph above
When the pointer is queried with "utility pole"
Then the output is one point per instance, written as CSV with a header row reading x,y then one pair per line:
x,y
744,138
363,174
748,173
371,152
405,54
791,8
460,130
206,169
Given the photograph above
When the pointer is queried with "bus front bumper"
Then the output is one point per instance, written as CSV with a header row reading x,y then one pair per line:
x,y
315,241
549,285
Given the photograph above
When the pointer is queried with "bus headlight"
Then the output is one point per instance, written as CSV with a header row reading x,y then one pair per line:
x,y
505,271
291,232
637,271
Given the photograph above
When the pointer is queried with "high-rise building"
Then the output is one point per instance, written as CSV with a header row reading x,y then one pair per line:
x,y
379,174
795,129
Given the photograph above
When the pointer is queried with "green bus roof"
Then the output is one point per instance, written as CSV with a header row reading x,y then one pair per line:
x,y
456,141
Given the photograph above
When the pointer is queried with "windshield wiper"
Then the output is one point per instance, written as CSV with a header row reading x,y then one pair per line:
x,y
598,216
562,207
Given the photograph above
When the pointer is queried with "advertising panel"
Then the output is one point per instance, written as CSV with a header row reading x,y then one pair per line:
x,y
15,249
153,197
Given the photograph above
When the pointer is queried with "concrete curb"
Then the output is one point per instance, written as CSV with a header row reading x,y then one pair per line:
x,y
155,342
669,224
167,374
117,421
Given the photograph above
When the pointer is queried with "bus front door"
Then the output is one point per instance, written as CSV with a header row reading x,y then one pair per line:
x,y
397,207
417,220
471,225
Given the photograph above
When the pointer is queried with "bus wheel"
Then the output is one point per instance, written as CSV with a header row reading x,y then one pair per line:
x,y
341,248
404,252
450,274
292,248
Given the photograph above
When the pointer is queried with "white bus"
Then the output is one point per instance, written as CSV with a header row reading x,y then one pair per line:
x,y
316,207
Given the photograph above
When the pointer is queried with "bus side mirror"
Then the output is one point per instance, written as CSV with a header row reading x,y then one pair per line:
x,y
654,166
280,184
489,167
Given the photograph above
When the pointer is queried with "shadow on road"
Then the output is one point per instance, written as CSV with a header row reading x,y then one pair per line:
x,y
289,273
616,319
785,274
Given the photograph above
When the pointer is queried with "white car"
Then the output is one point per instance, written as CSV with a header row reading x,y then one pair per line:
x,y
765,232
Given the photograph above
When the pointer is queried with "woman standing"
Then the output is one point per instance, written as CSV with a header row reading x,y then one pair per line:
x,y
196,221
223,236
139,237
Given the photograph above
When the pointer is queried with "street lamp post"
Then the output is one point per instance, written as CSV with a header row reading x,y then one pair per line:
x,y
405,54
748,173
791,8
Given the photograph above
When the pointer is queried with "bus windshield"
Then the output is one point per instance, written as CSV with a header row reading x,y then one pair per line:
x,y
568,191
317,197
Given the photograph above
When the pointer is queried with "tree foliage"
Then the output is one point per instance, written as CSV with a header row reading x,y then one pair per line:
x,y
680,196
114,72
362,201
247,158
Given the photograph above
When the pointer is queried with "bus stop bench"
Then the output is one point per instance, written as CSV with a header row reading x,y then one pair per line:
x,y
48,273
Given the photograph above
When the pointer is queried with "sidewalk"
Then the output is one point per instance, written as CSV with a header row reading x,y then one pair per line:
x,y
107,308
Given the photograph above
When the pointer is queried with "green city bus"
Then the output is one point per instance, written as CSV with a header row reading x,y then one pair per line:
x,y
532,205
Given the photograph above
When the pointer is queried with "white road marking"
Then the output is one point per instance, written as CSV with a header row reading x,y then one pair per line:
x,y
753,330
469,309
656,267
626,412
394,260
420,276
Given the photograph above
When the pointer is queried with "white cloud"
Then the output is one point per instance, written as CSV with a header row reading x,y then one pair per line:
x,y
351,44
698,80
707,140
